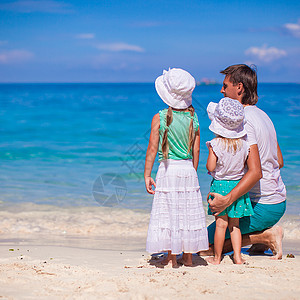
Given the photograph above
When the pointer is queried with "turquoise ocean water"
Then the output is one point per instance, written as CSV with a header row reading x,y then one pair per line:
x,y
85,144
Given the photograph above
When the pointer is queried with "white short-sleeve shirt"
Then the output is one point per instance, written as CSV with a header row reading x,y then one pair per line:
x,y
230,165
270,189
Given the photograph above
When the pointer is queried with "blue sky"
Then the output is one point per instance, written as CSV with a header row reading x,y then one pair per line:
x,y
133,41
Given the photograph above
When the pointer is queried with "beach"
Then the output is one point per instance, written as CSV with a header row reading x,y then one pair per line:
x,y
84,253
73,208
54,272
83,84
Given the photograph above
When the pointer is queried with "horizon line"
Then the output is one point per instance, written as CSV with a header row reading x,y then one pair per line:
x,y
199,83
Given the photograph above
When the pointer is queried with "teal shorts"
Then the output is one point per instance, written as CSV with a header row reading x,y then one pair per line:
x,y
239,208
265,216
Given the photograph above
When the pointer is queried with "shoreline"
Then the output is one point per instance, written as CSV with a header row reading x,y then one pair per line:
x,y
93,221
49,252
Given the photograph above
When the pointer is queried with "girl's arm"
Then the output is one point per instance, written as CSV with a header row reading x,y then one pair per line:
x,y
254,173
196,149
151,154
279,156
211,160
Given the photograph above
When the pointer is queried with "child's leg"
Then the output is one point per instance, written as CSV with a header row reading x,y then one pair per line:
x,y
236,239
167,259
187,259
221,226
174,260
170,257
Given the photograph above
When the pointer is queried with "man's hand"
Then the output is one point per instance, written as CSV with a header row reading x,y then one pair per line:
x,y
149,182
218,203
254,173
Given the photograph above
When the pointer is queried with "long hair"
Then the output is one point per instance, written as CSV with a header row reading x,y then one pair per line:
x,y
191,129
230,145
165,143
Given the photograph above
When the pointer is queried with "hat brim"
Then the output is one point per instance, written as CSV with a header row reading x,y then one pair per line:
x,y
216,128
168,98
211,107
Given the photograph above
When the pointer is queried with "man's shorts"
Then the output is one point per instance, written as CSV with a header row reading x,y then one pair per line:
x,y
265,216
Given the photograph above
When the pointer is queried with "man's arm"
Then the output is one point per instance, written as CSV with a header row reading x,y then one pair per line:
x,y
254,173
196,149
280,157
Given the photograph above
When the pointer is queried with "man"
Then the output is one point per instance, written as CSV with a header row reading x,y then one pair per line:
x,y
262,180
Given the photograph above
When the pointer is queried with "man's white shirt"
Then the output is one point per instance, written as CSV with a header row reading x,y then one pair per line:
x,y
270,189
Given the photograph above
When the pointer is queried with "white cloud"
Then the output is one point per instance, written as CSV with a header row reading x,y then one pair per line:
x,y
85,36
118,47
30,6
293,29
265,54
15,56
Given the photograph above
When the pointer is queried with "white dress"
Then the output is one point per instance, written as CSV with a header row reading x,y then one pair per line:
x,y
177,221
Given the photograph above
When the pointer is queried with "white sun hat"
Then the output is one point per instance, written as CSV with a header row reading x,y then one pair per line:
x,y
228,118
175,88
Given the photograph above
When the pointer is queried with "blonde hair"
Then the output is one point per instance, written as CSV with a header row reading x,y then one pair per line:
x,y
165,143
230,145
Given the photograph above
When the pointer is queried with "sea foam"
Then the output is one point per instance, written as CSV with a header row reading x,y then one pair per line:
x,y
31,218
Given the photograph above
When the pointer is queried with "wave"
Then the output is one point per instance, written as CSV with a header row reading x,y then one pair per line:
x,y
291,227
31,219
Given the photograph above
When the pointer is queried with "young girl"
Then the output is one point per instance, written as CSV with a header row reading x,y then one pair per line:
x,y
226,163
177,221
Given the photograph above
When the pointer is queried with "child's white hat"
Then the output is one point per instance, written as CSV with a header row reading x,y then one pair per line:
x,y
175,88
227,118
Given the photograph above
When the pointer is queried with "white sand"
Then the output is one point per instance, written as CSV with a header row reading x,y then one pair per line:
x,y
64,255
52,272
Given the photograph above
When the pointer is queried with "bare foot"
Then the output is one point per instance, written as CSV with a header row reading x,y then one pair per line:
x,y
276,236
181,261
170,260
212,260
185,262
172,263
238,260
187,259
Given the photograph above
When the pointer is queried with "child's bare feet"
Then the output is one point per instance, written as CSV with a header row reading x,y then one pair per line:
x,y
187,259
238,260
213,260
170,260
174,261
174,264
